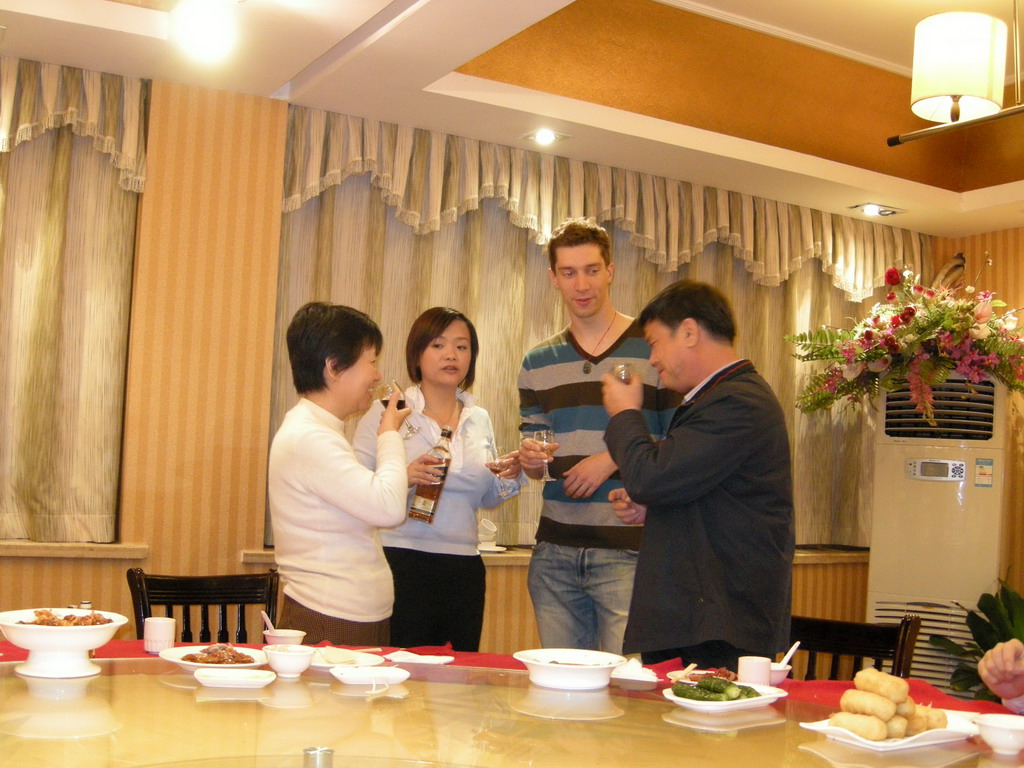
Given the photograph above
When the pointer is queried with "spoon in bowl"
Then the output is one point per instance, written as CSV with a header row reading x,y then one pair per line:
x,y
789,653
267,621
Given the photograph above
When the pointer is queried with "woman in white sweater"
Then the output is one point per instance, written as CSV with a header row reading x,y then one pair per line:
x,y
438,573
325,506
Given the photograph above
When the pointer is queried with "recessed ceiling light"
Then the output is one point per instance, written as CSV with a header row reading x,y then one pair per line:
x,y
874,209
545,136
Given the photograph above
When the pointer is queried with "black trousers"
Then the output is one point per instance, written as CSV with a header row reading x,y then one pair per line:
x,y
439,599
710,655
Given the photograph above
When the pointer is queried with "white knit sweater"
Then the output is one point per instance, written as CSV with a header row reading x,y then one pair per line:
x,y
326,508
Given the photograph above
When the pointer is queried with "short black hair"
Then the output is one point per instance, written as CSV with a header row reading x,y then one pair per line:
x,y
689,298
320,332
427,327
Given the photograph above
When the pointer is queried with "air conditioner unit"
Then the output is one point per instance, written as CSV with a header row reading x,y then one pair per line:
x,y
937,513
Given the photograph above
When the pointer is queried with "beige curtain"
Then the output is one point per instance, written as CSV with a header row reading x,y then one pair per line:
x,y
394,220
72,161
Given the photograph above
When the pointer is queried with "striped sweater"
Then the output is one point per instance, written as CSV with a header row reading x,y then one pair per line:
x,y
556,391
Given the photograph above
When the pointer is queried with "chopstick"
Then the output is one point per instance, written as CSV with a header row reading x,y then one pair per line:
x,y
682,673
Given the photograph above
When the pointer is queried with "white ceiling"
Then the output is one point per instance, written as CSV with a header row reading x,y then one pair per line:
x,y
394,61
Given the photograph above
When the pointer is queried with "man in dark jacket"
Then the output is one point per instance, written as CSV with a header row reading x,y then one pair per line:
x,y
713,580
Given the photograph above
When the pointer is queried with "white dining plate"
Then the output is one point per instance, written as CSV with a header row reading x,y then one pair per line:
x,y
234,678
959,727
359,659
259,658
768,695
375,675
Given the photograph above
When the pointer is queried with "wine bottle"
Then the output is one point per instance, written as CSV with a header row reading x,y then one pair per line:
x,y
424,503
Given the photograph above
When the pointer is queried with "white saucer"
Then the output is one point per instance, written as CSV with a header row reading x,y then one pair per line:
x,y
489,548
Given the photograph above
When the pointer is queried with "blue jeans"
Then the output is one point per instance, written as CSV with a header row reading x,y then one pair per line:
x,y
581,596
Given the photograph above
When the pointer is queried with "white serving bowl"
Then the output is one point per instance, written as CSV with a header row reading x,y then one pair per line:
x,y
283,636
779,673
1004,733
570,669
58,651
289,660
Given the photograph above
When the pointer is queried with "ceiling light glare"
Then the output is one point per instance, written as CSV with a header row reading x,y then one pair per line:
x,y
874,209
205,29
545,136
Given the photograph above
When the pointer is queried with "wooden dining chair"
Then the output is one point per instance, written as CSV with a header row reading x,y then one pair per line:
x,y
202,593
850,643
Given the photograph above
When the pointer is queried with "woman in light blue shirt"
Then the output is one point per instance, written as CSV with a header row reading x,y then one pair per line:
x,y
438,574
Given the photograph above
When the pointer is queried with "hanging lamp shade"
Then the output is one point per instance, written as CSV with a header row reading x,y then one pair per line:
x,y
959,67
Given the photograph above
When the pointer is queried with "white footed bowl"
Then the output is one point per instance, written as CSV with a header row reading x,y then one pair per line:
x,y
58,651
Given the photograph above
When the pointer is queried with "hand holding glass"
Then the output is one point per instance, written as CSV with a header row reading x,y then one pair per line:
x,y
498,461
546,438
384,393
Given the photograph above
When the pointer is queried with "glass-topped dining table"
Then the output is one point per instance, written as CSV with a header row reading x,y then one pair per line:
x,y
151,712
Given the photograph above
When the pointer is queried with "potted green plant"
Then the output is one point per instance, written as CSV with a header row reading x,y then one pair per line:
x,y
999,617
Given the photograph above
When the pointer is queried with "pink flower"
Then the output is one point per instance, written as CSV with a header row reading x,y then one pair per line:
x,y
879,365
892,276
982,313
852,370
980,332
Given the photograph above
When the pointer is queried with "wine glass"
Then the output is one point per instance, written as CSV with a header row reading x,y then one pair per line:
x,y
497,462
384,393
546,437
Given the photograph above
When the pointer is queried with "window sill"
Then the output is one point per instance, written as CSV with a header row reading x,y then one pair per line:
x,y
74,549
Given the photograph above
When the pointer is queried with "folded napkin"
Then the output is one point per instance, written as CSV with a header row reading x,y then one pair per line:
x,y
634,670
416,658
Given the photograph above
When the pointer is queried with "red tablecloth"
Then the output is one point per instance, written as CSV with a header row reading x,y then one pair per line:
x,y
824,692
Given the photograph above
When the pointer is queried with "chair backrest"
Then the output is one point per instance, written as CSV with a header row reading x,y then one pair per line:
x,y
238,590
857,641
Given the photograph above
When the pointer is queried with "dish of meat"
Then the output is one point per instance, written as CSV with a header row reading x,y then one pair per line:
x,y
217,656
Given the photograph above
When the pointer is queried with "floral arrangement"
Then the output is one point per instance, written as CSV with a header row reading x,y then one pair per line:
x,y
918,336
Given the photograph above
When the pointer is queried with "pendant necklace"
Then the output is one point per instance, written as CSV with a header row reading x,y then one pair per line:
x,y
587,367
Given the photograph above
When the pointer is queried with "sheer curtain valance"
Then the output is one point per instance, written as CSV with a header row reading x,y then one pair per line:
x,y
432,178
109,109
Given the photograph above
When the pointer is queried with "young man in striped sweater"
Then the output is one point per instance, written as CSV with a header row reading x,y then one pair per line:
x,y
581,572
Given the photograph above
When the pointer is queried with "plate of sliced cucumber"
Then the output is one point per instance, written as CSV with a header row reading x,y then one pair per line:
x,y
719,695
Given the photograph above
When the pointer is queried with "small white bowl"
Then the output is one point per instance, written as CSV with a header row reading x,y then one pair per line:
x,y
570,669
289,660
779,673
1004,733
283,636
